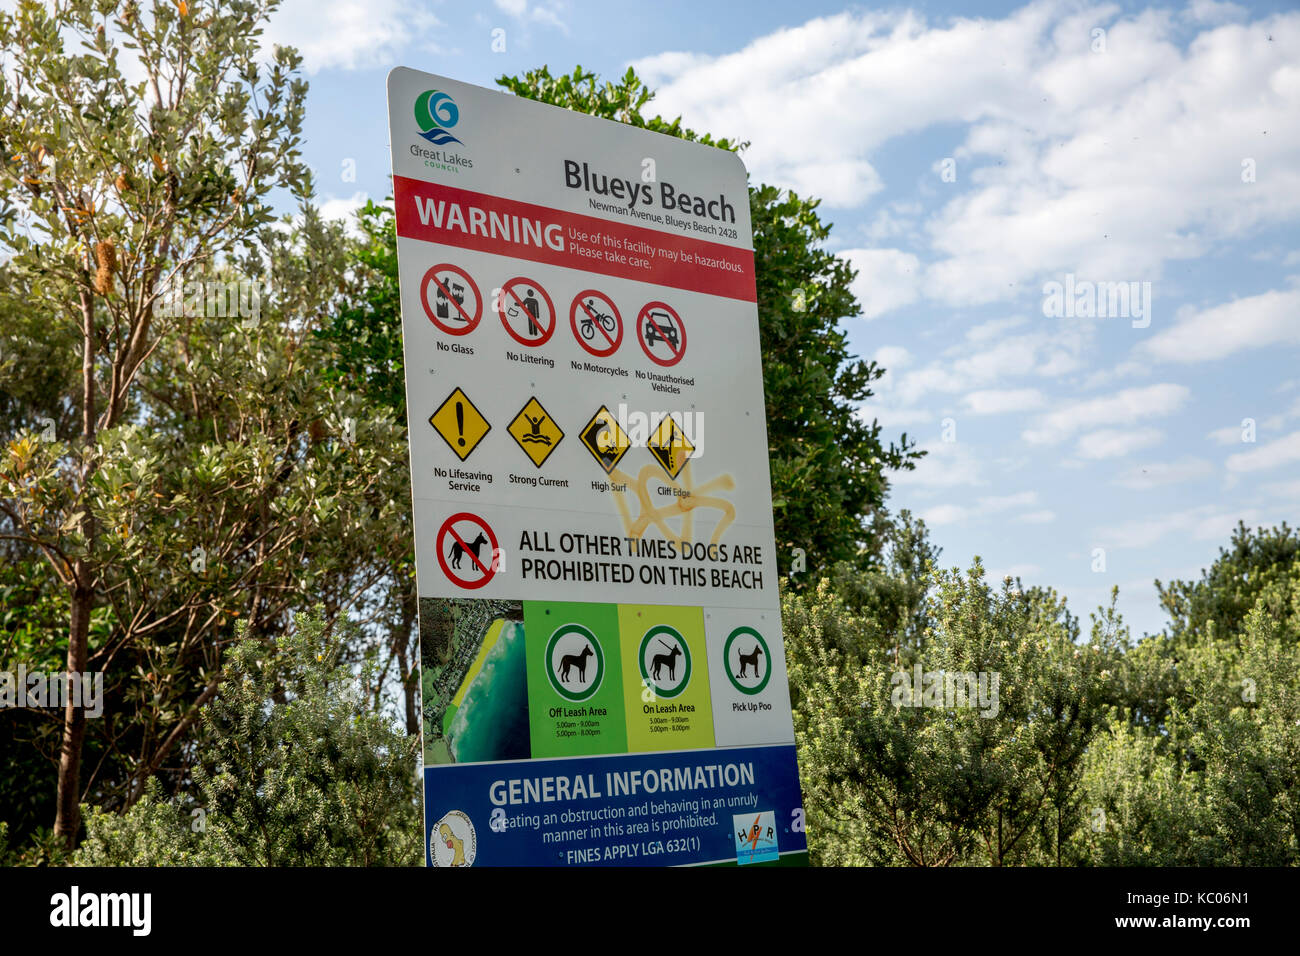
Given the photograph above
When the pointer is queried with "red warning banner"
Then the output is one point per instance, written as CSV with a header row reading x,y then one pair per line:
x,y
505,227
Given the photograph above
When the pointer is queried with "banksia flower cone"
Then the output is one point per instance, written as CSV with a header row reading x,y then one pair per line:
x,y
106,259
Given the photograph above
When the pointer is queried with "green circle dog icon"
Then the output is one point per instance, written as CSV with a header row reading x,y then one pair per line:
x,y
747,660
665,661
574,662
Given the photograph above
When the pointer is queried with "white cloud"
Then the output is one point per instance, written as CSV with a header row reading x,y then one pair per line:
x,y
550,13
1043,355
944,514
886,279
1284,489
1109,165
341,208
1209,11
946,465
1020,499
988,505
1157,474
996,576
1203,523
993,328
1274,422
1275,453
1231,435
350,34
998,401
1116,442
1123,408
892,356
1250,323
1037,517
890,417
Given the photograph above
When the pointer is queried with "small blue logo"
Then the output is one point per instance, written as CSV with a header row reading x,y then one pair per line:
x,y
435,113
755,836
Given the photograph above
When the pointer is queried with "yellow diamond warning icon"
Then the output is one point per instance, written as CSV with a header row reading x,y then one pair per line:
x,y
461,425
670,446
606,441
535,431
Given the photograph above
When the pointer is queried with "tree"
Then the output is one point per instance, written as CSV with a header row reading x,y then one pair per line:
x,y
295,768
195,469
948,780
364,339
1202,762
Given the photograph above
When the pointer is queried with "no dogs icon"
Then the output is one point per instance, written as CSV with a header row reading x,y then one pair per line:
x,y
467,550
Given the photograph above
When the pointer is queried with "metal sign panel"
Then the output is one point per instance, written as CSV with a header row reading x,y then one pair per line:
x,y
603,668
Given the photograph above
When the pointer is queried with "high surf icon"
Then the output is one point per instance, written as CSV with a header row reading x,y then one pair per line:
x,y
435,113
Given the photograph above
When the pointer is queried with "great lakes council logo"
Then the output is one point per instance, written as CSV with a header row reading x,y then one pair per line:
x,y
435,113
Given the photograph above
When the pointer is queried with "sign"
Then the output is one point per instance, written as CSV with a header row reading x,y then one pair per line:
x,y
662,334
536,432
606,441
444,292
596,323
670,447
529,320
603,666
467,550
461,425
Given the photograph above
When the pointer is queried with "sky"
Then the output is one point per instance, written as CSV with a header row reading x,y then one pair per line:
x,y
985,167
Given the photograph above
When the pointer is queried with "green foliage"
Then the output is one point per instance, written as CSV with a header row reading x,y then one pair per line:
x,y
365,334
294,768
1180,750
197,468
996,782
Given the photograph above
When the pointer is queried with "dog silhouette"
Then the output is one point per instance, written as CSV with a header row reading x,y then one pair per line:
x,y
579,661
750,660
457,553
668,660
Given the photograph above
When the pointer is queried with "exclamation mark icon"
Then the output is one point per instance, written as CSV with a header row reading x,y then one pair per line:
x,y
460,423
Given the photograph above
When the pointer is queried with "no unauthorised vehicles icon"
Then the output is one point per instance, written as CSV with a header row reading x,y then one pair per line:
x,y
662,333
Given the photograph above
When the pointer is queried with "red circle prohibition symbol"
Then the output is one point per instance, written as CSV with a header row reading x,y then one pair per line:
x,y
651,324
509,299
593,330
449,303
452,557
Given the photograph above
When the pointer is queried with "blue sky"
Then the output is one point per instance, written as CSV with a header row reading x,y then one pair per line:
x,y
1110,143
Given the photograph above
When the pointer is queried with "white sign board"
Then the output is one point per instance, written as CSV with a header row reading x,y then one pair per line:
x,y
592,504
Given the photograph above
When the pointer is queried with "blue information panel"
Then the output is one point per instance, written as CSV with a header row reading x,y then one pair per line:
x,y
738,805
